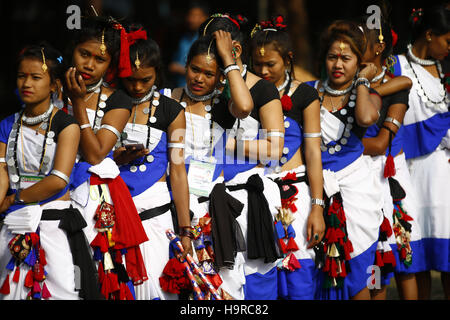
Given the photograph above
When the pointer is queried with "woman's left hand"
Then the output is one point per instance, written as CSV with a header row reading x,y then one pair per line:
x,y
315,226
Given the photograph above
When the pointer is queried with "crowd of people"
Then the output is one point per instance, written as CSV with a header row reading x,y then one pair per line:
x,y
244,183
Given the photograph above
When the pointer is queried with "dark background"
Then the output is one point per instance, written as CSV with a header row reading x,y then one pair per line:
x,y
30,21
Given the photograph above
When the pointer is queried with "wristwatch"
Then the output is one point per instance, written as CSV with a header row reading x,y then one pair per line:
x,y
17,199
319,202
362,81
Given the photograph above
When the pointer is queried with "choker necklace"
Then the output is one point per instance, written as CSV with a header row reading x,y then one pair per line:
x,y
286,81
381,75
334,92
145,98
423,62
94,87
38,119
200,98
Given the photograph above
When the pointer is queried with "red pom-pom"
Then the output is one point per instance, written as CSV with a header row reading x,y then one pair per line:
x,y
389,167
286,102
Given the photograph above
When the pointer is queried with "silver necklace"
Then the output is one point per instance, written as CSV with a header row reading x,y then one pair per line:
x,y
199,98
349,120
147,97
40,118
381,75
334,92
423,62
95,87
286,81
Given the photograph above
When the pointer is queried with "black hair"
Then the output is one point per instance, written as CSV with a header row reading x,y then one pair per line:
x,y
205,45
436,18
92,28
53,58
372,35
278,37
149,55
234,24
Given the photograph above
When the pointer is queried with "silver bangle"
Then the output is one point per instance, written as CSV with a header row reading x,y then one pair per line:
x,y
394,121
319,202
112,129
2,160
60,175
84,126
275,134
362,81
312,135
175,145
230,68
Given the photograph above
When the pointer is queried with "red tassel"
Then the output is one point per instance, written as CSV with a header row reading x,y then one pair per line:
x,y
403,253
389,258
100,241
101,272
42,257
282,245
16,275
45,293
36,287
293,263
378,259
343,273
333,268
386,227
29,279
389,167
113,281
292,245
5,287
122,294
34,238
286,102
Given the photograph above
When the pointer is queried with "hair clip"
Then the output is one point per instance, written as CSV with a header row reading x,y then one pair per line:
x,y
342,46
44,65
103,46
208,56
60,59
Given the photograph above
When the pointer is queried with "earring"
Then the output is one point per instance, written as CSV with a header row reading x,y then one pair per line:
x,y
377,53
233,54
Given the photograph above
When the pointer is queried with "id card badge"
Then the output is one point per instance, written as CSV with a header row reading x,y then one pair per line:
x,y
200,176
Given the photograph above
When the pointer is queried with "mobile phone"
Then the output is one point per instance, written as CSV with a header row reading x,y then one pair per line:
x,y
136,146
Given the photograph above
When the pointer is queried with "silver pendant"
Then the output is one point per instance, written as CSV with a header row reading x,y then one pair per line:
x,y
155,103
49,141
208,116
133,169
103,97
51,134
343,112
350,119
100,113
152,119
207,108
337,148
102,105
344,141
142,168
146,110
331,150
15,178
150,158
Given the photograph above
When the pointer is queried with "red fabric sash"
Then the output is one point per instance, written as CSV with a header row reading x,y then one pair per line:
x,y
128,231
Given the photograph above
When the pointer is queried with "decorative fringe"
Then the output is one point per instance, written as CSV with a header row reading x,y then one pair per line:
x,y
5,289
402,232
337,245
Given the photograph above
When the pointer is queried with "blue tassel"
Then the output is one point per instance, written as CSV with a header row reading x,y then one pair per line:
x,y
37,295
290,231
11,264
98,256
131,287
123,251
31,258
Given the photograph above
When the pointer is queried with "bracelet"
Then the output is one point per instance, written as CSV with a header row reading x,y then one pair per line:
x,y
60,175
186,232
275,134
362,81
230,68
17,199
175,145
84,126
319,202
394,121
112,129
312,135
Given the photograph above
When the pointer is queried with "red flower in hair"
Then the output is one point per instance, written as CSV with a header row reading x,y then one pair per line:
x,y
279,20
394,37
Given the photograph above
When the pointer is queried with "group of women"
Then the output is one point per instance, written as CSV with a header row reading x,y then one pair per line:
x,y
277,189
